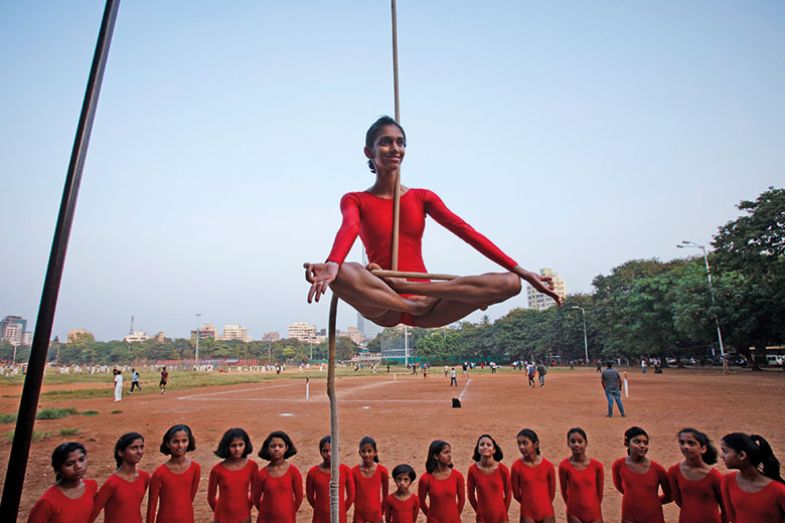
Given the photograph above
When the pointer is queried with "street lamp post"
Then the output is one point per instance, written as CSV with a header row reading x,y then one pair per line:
x,y
585,336
688,244
198,328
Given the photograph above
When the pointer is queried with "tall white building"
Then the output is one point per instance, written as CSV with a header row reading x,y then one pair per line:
x,y
235,332
541,301
303,331
12,329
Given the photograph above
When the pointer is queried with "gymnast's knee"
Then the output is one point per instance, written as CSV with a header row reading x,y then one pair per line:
x,y
511,285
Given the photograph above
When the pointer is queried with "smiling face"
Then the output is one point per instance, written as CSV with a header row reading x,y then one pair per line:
x,y
388,149
367,453
690,447
486,448
178,444
237,448
74,467
133,453
527,448
639,446
577,443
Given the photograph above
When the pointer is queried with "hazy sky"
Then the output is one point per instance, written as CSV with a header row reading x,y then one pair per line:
x,y
576,135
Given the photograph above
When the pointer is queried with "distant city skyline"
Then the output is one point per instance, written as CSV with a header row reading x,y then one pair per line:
x,y
575,136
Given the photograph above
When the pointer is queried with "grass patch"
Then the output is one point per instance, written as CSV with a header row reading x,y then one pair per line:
x,y
89,413
7,418
55,413
116,412
38,435
69,432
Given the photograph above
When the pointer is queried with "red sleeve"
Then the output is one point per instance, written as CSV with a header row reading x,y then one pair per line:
x,y
152,498
104,494
297,487
461,491
728,502
616,471
564,480
41,512
664,483
506,482
212,487
257,487
386,512
415,507
600,481
716,484
197,475
422,492
310,488
673,477
385,485
350,227
348,482
515,479
455,224
552,481
471,485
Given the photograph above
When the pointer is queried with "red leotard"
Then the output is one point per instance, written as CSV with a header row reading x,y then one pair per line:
x,y
121,500
493,493
582,489
699,500
641,502
370,494
371,217
401,511
177,493
278,499
55,507
765,506
317,490
446,497
234,503
534,488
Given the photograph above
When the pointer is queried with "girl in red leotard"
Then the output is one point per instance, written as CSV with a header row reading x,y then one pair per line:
x,y
176,481
278,487
70,499
229,487
369,214
639,479
488,482
371,484
317,486
695,484
402,506
533,481
756,493
582,481
442,489
120,497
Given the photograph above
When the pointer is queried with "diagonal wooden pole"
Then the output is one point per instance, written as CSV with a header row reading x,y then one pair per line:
x,y
25,421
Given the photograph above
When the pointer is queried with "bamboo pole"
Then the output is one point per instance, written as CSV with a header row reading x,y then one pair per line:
x,y
335,475
31,391
397,192
381,273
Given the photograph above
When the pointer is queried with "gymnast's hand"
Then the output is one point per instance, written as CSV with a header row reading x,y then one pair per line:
x,y
320,276
542,284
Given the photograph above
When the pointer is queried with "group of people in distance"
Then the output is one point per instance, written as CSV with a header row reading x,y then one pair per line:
x,y
753,493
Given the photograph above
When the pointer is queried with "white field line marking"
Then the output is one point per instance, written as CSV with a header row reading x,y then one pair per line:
x,y
460,396
221,393
312,400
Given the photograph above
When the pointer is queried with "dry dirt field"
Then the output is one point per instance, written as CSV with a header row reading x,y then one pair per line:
x,y
404,414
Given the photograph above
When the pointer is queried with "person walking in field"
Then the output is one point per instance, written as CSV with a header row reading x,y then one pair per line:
x,y
118,385
164,380
453,377
135,381
541,372
611,383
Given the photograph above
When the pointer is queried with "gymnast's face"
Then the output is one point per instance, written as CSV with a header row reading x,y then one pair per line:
x,y
388,149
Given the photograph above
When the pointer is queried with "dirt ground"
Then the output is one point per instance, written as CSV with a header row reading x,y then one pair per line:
x,y
404,413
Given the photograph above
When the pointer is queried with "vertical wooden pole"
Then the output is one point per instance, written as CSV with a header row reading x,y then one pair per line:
x,y
397,192
335,475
